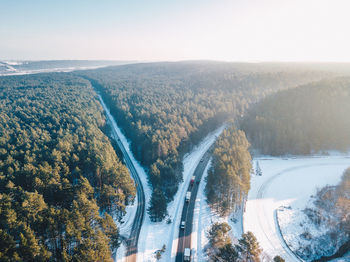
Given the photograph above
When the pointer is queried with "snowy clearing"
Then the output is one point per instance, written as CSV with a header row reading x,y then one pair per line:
x,y
286,182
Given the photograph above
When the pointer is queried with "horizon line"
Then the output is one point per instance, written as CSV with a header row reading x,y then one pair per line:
x,y
181,60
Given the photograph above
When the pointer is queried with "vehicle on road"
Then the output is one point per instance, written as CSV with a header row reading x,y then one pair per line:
x,y
202,160
188,196
182,225
192,180
187,254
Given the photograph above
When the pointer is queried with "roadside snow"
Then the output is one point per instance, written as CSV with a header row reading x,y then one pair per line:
x,y
125,227
126,144
154,235
120,255
286,182
125,224
204,217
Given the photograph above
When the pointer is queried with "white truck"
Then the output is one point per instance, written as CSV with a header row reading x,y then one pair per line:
x,y
182,225
188,196
187,254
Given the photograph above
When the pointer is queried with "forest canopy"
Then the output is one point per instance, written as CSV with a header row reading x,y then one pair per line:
x,y
166,108
228,180
60,177
309,119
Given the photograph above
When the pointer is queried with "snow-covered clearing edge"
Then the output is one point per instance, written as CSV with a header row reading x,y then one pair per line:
x,y
277,191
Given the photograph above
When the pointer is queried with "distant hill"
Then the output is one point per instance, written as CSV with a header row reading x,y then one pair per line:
x,y
304,120
33,67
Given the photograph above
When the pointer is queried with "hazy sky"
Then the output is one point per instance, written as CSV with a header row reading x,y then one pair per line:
x,y
231,30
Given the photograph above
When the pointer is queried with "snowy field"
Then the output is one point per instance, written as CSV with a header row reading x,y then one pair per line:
x,y
286,182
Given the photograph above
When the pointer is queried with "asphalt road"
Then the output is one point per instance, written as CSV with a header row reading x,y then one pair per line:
x,y
132,240
188,209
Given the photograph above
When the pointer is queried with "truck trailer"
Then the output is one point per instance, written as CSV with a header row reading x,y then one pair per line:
x,y
188,196
187,254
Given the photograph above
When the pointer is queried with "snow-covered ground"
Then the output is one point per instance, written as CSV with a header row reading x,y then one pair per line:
x,y
307,239
126,223
154,235
286,182
204,217
120,256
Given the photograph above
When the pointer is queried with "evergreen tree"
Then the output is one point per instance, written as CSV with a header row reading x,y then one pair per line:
x,y
157,209
249,247
278,259
218,235
228,180
159,253
221,249
227,253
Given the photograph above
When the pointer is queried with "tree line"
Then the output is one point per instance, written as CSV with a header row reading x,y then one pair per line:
x,y
60,179
228,179
221,248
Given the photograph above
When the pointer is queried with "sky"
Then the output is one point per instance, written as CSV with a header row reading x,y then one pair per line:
x,y
172,30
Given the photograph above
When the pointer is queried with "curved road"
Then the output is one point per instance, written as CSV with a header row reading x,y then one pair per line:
x,y
275,240
132,240
270,227
184,240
